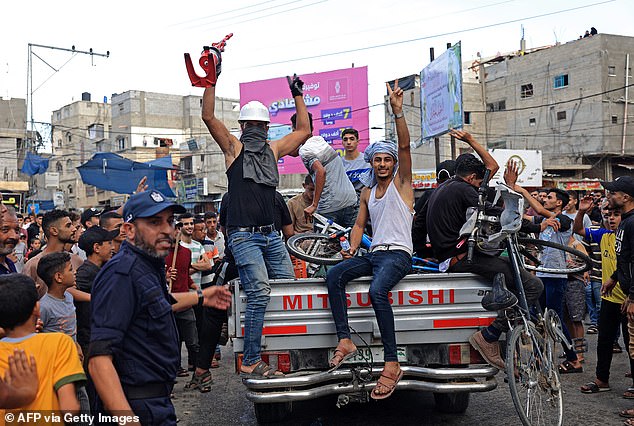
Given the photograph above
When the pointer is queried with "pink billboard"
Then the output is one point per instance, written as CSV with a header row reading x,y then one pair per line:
x,y
337,100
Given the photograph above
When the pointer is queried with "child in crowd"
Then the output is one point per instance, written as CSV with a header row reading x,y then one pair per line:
x,y
57,309
58,365
35,247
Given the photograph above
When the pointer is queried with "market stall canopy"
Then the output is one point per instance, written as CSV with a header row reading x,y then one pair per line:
x,y
113,172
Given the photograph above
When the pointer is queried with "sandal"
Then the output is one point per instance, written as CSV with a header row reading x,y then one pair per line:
x,y
629,422
182,373
629,393
215,363
339,358
387,382
592,387
568,367
628,414
581,345
593,329
202,383
262,371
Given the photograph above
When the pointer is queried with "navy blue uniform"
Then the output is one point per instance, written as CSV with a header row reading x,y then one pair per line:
x,y
132,320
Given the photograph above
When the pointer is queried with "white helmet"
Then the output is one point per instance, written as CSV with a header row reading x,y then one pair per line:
x,y
254,111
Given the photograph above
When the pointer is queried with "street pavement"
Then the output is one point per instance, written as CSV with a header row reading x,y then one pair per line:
x,y
227,405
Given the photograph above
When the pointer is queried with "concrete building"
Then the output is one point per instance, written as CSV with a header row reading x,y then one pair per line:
x,y
141,126
570,101
79,130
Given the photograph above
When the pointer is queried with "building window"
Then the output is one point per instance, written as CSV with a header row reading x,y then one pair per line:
x,y
69,137
612,71
121,107
59,168
69,166
467,117
497,106
561,81
202,158
70,189
95,131
59,143
526,91
561,115
120,143
532,122
615,119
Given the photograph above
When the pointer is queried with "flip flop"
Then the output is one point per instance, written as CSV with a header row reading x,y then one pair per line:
x,y
626,414
567,367
390,386
592,387
629,393
342,356
261,371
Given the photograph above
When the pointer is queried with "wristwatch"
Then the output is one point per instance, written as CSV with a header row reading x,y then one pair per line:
x,y
399,115
199,292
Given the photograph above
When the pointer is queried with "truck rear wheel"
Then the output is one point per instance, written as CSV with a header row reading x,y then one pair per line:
x,y
272,413
453,403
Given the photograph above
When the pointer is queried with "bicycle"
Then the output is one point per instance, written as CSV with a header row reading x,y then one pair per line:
x,y
324,247
531,362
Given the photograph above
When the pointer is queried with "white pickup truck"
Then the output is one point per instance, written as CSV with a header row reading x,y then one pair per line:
x,y
434,316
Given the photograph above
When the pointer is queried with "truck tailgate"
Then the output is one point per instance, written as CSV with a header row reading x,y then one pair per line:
x,y
428,308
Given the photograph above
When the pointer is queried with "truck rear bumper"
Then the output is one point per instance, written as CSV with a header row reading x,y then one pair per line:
x,y
306,386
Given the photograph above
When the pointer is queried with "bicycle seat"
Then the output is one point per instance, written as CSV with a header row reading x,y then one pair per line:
x,y
499,297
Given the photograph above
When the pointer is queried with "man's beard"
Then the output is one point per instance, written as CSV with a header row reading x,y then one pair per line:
x,y
7,247
140,243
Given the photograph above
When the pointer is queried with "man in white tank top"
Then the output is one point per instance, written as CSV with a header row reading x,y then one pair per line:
x,y
388,201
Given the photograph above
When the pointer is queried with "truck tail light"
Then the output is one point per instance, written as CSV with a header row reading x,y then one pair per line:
x,y
278,360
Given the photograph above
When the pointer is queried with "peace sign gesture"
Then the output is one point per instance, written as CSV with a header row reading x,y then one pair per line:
x,y
396,97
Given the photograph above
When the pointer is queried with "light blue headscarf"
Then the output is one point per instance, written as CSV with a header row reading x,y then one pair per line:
x,y
381,147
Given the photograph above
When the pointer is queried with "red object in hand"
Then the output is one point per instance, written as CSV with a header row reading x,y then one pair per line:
x,y
209,61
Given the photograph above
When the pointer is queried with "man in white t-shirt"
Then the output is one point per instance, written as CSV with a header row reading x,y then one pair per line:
x,y
200,262
353,161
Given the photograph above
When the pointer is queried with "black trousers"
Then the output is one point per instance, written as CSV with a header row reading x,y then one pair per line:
x,y
610,317
489,266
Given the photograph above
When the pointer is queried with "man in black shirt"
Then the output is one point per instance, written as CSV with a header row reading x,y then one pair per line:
x,y
446,213
252,174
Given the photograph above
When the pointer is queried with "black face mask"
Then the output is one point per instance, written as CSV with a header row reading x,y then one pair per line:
x,y
254,138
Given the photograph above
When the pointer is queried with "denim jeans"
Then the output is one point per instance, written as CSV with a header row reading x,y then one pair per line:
x,y
344,217
386,268
593,301
555,288
259,257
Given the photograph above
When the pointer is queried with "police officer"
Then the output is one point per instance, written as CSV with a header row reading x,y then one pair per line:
x,y
134,348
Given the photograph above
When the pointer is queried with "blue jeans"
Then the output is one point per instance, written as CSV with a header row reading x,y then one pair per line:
x,y
593,301
258,258
344,217
387,268
555,288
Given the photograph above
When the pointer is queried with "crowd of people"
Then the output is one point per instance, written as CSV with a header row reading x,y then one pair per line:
x,y
95,307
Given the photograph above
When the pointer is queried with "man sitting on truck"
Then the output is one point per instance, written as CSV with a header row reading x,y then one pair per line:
x,y
388,200
446,213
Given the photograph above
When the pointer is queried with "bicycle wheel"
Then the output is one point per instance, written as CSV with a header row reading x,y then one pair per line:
x,y
534,253
315,248
533,377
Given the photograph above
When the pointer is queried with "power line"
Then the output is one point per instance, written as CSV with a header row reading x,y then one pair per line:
x,y
428,37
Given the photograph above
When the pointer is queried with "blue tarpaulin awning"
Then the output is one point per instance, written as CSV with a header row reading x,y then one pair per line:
x,y
112,172
34,164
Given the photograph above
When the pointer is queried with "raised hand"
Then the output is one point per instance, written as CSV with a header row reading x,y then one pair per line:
x,y
218,297
141,186
586,203
296,85
396,97
511,173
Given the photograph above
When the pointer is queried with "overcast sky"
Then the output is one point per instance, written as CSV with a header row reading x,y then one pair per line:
x,y
272,38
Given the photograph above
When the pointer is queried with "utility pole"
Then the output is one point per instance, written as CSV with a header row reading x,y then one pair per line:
x,y
29,78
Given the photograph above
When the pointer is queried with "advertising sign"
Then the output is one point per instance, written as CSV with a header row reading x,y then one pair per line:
x,y
337,100
441,94
529,162
423,179
12,199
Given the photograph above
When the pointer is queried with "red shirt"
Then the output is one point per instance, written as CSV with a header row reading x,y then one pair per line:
x,y
183,280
